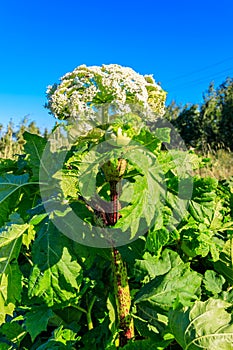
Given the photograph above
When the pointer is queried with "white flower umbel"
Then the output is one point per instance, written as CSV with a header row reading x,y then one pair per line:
x,y
86,88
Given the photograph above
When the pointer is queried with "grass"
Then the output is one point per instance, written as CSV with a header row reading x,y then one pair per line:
x,y
219,164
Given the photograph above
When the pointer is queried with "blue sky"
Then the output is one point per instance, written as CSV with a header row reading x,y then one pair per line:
x,y
185,44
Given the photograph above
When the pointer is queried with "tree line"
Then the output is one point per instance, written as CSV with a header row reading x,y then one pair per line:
x,y
11,137
209,124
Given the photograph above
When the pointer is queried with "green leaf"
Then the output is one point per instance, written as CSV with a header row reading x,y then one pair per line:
x,y
10,275
207,325
13,332
152,266
29,236
146,345
213,282
68,183
225,264
144,205
7,165
198,239
62,339
177,162
56,275
144,327
203,199
149,323
157,239
54,345
68,315
163,134
179,285
201,233
111,306
34,148
132,214
87,173
9,235
10,185
37,320
149,140
36,219
64,335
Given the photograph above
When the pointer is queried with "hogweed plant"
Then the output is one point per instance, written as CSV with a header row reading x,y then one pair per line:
x,y
98,94
107,241
114,173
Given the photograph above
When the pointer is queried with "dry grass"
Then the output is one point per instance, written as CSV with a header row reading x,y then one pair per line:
x,y
220,164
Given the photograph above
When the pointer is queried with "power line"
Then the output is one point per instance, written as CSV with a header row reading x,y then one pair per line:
x,y
203,79
201,69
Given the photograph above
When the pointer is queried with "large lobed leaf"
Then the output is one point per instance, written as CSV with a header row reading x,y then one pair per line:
x,y
175,283
144,194
225,263
56,275
34,148
152,266
203,199
10,274
37,320
207,325
10,187
208,217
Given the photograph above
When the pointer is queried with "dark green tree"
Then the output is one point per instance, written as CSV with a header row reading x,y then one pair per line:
x,y
210,116
188,125
208,125
225,94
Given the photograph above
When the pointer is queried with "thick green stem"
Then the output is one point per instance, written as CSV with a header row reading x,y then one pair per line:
x,y
123,298
89,319
87,312
79,308
120,280
113,174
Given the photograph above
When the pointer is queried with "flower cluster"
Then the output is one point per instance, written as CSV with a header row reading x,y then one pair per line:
x,y
85,88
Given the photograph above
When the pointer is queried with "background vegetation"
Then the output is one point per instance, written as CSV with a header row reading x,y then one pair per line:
x,y
11,137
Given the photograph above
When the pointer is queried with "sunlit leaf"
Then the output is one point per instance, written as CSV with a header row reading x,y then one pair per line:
x,y
207,325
